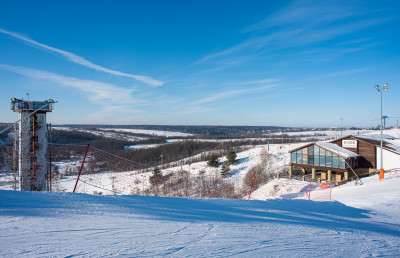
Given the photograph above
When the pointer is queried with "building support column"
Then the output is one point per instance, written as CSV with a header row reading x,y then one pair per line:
x,y
346,175
290,172
338,178
313,173
329,175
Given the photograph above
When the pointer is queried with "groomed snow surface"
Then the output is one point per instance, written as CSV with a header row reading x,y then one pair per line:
x,y
279,220
361,221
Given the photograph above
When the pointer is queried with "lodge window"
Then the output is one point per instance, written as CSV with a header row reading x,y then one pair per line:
x,y
316,160
310,159
341,162
310,149
299,157
329,161
335,161
322,161
314,155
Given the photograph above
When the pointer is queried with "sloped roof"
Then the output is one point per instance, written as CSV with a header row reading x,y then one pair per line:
x,y
376,137
337,149
389,142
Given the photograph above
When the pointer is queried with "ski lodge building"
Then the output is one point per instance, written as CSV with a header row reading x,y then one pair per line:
x,y
344,158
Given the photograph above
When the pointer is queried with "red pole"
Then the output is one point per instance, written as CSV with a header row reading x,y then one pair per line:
x,y
252,182
83,162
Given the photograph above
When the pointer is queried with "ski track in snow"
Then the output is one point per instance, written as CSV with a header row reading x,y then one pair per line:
x,y
78,225
361,221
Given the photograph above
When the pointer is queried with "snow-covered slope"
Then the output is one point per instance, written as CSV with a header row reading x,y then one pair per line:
x,y
44,224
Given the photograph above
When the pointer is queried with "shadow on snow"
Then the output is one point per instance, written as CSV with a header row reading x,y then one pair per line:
x,y
327,215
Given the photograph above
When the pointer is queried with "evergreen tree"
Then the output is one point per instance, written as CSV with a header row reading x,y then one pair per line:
x,y
156,178
213,161
225,169
231,157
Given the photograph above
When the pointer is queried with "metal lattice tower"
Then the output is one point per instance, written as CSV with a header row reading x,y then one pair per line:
x,y
384,121
32,163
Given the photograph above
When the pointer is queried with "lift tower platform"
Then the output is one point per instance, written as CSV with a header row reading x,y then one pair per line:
x,y
32,163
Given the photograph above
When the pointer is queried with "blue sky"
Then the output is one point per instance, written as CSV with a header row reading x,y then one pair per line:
x,y
288,63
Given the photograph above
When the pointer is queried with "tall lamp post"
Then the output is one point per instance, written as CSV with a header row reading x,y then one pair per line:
x,y
381,89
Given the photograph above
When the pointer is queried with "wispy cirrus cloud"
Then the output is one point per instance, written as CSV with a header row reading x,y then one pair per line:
x,y
300,24
308,12
99,92
340,73
82,61
233,93
108,112
262,81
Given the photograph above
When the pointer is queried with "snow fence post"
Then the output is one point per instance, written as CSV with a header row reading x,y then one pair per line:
x,y
80,171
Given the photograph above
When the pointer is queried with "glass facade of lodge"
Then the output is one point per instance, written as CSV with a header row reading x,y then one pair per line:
x,y
316,156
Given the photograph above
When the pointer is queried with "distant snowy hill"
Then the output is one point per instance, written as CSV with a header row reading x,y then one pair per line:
x,y
363,222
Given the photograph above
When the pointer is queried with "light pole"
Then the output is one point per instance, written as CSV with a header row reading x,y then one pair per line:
x,y
381,89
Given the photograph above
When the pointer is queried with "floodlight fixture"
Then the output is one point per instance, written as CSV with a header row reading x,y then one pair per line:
x,y
385,87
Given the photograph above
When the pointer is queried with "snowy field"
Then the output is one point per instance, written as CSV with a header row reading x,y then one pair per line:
x,y
105,134
133,181
363,221
360,220
330,133
149,132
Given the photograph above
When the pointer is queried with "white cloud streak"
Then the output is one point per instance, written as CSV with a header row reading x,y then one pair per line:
x,y
340,73
308,12
263,81
82,61
232,93
108,113
302,23
100,92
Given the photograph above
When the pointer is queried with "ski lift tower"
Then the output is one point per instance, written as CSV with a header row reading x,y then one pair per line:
x,y
32,166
